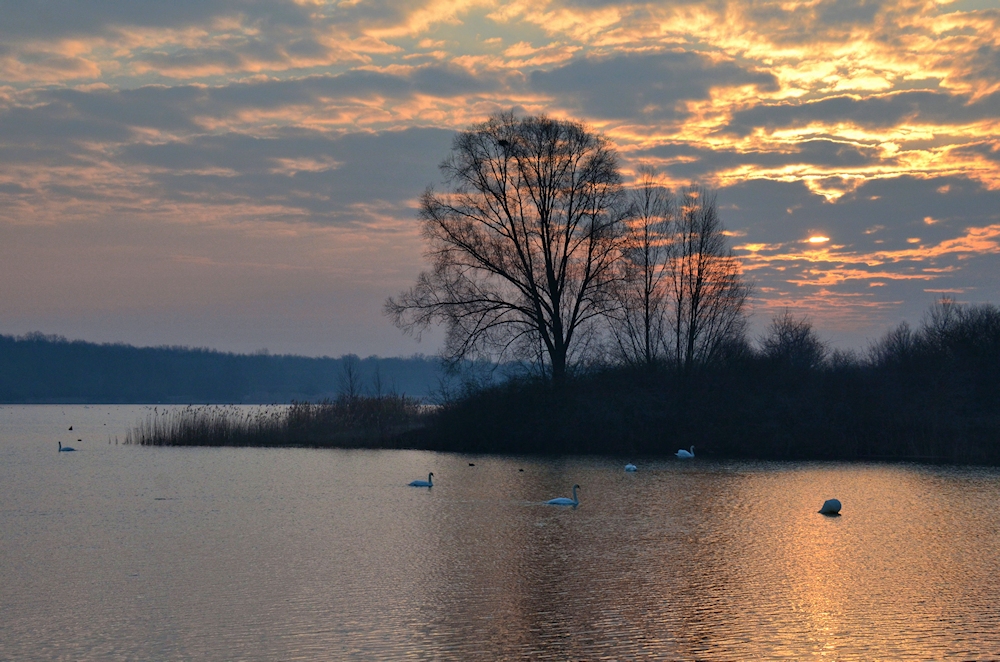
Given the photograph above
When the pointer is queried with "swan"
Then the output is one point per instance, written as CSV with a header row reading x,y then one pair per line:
x,y
65,449
563,501
423,483
830,507
630,467
684,455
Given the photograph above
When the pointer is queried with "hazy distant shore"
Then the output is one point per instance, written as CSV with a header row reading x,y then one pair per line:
x,y
40,369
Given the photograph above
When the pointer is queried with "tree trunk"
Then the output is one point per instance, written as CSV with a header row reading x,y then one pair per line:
x,y
558,366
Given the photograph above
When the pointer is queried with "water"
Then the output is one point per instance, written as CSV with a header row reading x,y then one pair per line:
x,y
118,552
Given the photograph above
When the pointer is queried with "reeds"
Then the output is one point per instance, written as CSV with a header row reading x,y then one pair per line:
x,y
359,421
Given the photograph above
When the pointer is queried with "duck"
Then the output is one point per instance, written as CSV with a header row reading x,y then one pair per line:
x,y
631,467
423,483
685,455
564,501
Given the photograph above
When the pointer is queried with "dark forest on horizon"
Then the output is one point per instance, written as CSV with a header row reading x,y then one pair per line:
x,y
42,369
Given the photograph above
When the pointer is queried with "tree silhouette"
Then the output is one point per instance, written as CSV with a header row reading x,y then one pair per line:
x,y
707,290
792,343
523,244
639,323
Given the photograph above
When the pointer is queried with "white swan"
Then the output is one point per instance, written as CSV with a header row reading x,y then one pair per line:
x,y
563,501
685,455
424,483
630,467
65,449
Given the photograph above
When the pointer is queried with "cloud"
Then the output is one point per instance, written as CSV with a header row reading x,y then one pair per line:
x,y
989,150
335,174
114,115
643,85
65,40
868,276
294,175
55,19
775,212
853,12
689,162
877,112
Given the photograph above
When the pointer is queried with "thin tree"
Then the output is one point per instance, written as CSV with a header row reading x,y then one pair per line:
x,y
524,243
639,323
709,295
350,378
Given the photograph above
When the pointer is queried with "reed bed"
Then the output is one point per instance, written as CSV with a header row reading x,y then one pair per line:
x,y
360,421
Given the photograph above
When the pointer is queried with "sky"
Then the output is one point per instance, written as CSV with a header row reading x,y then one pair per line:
x,y
244,174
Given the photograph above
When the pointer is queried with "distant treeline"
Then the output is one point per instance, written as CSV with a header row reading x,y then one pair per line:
x,y
929,394
36,368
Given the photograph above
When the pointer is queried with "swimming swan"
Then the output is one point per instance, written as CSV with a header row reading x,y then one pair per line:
x,y
65,449
684,455
630,467
563,501
423,483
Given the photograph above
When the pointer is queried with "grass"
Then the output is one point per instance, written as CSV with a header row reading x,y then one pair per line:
x,y
360,421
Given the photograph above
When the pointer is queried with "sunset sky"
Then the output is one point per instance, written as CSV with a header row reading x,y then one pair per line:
x,y
243,174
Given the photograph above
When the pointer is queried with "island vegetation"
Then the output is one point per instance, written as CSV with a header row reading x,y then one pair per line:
x,y
624,314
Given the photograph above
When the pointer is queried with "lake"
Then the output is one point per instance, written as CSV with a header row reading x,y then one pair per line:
x,y
120,552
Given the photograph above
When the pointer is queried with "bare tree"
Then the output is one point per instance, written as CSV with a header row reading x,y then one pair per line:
x,y
350,378
639,322
378,389
523,245
897,346
708,293
793,343
941,321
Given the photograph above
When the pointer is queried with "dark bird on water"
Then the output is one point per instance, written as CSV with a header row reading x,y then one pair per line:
x,y
71,427
831,507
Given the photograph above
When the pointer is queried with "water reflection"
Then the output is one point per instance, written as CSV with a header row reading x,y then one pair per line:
x,y
265,554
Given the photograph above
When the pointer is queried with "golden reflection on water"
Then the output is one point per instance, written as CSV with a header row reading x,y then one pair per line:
x,y
285,554
713,561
